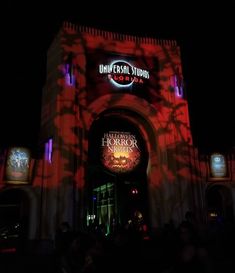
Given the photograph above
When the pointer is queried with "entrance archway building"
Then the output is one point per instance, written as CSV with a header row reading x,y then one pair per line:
x,y
91,72
102,84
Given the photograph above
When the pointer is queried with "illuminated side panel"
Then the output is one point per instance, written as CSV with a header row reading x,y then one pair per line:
x,y
178,83
48,150
218,167
120,151
17,166
69,77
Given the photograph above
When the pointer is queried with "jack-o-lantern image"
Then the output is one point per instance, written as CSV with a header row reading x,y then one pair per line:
x,y
120,151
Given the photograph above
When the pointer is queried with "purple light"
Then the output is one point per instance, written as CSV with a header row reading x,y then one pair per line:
x,y
178,86
48,150
69,75
179,91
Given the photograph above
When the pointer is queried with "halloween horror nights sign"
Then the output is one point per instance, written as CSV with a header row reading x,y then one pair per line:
x,y
120,151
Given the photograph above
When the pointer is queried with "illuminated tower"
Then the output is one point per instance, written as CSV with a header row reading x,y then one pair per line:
x,y
128,92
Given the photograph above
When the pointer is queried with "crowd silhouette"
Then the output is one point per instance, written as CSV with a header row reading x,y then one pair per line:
x,y
189,247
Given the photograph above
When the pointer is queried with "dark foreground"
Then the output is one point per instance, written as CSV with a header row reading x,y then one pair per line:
x,y
172,251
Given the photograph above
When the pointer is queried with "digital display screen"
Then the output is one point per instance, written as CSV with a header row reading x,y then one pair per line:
x,y
218,166
17,165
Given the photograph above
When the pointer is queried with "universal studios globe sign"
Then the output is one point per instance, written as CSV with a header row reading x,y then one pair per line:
x,y
122,74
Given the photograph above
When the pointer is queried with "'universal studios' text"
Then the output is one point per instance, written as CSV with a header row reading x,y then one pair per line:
x,y
123,74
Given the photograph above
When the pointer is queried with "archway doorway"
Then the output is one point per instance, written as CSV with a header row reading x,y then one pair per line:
x,y
116,176
14,218
219,204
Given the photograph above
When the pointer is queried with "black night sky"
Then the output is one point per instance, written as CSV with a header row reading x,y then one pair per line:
x,y
207,49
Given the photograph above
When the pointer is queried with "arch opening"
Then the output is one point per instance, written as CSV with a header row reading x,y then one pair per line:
x,y
219,204
117,171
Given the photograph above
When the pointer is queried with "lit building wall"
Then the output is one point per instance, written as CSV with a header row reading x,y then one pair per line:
x,y
77,91
146,80
75,94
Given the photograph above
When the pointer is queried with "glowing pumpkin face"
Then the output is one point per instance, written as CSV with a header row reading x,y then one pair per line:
x,y
120,151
